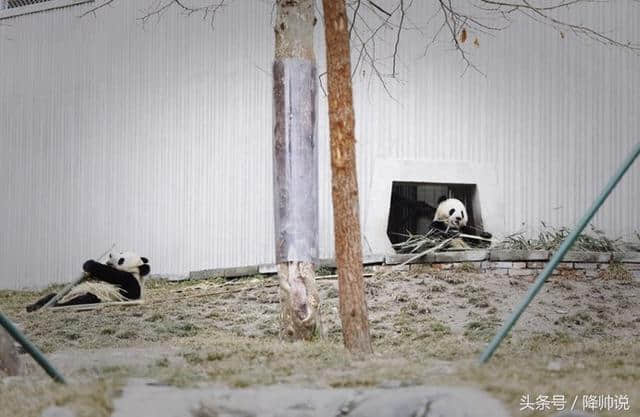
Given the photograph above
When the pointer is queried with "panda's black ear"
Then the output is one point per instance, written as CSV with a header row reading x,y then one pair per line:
x,y
144,260
442,198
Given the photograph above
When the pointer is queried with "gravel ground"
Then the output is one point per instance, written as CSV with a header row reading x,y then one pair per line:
x,y
579,337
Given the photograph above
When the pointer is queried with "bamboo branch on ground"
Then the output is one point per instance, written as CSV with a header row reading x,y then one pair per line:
x,y
75,282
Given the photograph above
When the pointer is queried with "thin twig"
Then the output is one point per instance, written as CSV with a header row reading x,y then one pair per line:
x,y
413,258
96,8
395,47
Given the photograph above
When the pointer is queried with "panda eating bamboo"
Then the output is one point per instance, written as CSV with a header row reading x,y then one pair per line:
x,y
120,279
451,220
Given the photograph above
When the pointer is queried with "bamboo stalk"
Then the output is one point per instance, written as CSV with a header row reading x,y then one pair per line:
x,y
95,306
416,256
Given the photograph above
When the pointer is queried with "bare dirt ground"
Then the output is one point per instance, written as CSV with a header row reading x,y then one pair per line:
x,y
579,337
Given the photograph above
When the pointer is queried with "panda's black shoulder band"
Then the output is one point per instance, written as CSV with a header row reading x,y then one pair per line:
x,y
129,285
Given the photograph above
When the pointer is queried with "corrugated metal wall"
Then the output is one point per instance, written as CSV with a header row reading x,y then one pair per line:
x,y
158,136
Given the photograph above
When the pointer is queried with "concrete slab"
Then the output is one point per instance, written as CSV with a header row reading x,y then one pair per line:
x,y
143,397
626,257
439,257
402,258
224,272
427,401
367,259
170,277
575,256
268,269
461,256
519,255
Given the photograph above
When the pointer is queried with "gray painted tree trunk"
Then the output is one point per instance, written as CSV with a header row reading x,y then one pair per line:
x,y
295,167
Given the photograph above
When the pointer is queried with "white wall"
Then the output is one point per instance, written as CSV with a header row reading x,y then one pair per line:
x,y
158,136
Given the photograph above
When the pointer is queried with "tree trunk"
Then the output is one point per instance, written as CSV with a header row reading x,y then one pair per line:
x,y
295,166
348,247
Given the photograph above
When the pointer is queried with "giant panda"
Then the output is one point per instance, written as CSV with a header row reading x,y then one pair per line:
x,y
450,219
119,279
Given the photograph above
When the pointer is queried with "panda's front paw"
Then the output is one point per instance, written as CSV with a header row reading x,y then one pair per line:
x,y
486,235
41,302
90,266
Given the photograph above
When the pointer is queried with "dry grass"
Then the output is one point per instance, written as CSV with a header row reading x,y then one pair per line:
x,y
616,271
88,398
428,327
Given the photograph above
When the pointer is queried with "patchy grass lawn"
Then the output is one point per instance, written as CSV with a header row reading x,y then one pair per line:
x,y
428,327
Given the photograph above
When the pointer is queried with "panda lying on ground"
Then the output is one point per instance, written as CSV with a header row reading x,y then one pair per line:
x,y
451,219
121,279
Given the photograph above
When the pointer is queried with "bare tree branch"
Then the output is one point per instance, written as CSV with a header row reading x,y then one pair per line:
x,y
160,7
208,11
372,23
514,6
376,29
580,30
96,8
379,8
395,47
452,21
353,21
156,11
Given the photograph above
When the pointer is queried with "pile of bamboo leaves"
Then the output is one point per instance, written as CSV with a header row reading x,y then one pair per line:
x,y
433,241
417,242
550,238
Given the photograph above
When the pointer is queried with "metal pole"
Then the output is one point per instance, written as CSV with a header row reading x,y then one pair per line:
x,y
31,349
557,257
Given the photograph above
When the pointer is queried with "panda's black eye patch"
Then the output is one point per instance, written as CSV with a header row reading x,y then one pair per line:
x,y
462,213
120,261
451,212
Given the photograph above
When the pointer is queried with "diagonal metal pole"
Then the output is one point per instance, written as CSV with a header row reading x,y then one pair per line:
x,y
35,353
557,257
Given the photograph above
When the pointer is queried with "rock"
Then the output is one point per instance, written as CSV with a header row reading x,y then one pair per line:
x,y
9,360
429,401
54,411
139,397
555,365
574,414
